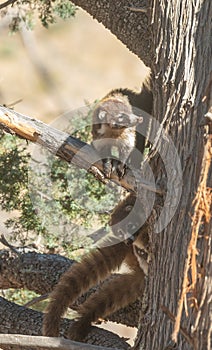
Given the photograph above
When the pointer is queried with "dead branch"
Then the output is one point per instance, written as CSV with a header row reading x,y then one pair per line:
x,y
7,3
67,148
44,343
37,300
4,241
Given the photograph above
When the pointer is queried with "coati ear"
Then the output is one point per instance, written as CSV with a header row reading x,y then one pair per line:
x,y
102,114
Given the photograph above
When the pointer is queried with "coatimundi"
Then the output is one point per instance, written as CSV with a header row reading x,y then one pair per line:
x,y
119,126
115,120
95,267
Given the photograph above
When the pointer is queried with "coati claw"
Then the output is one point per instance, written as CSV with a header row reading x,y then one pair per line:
x,y
113,166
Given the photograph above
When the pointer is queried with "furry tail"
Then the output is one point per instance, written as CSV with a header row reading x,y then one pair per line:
x,y
116,294
93,268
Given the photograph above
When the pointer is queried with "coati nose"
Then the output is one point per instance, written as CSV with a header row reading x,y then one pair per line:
x,y
135,119
122,120
129,119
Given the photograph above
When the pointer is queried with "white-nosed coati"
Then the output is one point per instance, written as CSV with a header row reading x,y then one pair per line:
x,y
115,120
119,126
95,267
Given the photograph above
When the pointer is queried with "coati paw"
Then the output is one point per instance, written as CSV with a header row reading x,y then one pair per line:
x,y
114,166
79,329
107,167
120,169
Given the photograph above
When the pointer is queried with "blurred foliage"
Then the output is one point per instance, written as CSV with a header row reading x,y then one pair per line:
x,y
13,183
55,203
25,11
21,296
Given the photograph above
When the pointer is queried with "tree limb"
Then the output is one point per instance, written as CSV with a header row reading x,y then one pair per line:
x,y
18,319
45,343
130,27
6,3
128,21
67,148
17,341
40,272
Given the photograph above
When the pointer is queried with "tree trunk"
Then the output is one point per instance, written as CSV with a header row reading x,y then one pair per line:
x,y
179,285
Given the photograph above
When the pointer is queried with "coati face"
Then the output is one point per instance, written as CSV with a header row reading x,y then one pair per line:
x,y
127,219
116,112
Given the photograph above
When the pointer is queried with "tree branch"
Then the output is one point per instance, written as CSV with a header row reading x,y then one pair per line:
x,y
131,27
45,343
40,272
7,3
18,319
67,148
128,21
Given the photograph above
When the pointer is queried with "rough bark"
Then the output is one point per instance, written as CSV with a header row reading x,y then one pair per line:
x,y
181,270
31,271
127,20
18,319
40,272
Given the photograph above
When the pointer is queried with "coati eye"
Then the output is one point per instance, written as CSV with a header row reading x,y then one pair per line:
x,y
122,117
102,115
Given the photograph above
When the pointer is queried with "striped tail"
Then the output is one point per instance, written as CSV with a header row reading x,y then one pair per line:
x,y
115,294
93,268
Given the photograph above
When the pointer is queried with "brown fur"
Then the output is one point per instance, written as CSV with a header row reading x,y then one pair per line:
x,y
114,131
79,278
109,133
92,269
123,290
142,100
